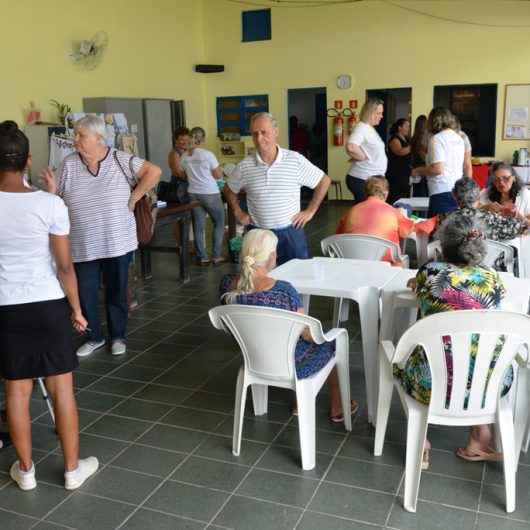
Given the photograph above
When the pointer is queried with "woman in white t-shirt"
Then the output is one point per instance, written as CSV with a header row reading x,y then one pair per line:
x,y
39,304
366,149
202,171
505,195
445,161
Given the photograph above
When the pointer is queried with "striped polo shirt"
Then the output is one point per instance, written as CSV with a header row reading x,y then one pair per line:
x,y
102,226
273,192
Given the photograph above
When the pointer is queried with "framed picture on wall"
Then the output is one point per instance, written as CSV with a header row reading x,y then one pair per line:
x,y
516,125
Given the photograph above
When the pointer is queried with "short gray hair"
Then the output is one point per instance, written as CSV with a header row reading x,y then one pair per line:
x,y
266,115
93,124
198,135
466,192
462,240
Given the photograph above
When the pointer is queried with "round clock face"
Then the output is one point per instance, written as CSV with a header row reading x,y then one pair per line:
x,y
344,81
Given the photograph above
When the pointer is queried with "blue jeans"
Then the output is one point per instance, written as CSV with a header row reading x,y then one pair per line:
x,y
115,273
212,204
292,244
441,203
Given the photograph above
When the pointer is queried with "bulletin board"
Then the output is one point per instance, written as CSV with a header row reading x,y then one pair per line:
x,y
516,125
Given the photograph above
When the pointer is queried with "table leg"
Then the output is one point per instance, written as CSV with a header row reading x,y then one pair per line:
x,y
145,263
306,298
368,300
184,257
422,240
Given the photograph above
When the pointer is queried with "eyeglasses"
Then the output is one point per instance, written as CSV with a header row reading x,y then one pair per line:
x,y
503,178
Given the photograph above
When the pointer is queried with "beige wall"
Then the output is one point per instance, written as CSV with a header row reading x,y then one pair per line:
x,y
152,49
380,45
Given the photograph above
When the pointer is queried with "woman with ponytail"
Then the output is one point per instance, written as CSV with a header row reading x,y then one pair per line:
x,y
254,286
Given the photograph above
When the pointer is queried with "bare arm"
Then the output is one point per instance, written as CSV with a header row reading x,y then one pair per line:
x,y
217,173
306,334
468,167
148,178
431,170
242,217
60,246
173,161
395,146
355,152
303,217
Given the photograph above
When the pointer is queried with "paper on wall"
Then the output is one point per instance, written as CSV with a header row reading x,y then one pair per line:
x,y
516,132
518,116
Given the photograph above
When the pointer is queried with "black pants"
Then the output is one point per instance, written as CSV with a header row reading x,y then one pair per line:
x,y
356,187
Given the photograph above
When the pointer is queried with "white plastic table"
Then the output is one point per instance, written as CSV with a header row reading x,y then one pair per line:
x,y
419,204
356,280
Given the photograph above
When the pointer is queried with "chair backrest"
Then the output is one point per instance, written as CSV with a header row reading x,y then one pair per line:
x,y
267,336
467,345
495,250
359,246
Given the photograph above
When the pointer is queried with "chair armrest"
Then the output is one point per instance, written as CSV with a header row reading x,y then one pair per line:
x,y
389,349
334,333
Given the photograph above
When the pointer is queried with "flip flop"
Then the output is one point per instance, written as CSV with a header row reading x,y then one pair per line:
x,y
339,418
479,455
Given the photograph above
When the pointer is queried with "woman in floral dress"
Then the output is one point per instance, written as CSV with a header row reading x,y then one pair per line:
x,y
459,282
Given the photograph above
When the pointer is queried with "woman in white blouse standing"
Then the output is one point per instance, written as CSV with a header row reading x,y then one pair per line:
x,y
445,161
39,304
366,149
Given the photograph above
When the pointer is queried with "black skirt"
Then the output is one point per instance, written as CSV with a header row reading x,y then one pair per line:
x,y
36,340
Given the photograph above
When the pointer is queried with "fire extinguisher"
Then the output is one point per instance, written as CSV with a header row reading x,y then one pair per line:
x,y
338,123
338,130
352,117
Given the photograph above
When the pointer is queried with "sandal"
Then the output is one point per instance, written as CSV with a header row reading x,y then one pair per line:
x,y
478,455
339,418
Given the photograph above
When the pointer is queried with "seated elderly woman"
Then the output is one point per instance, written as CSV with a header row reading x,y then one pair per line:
x,y
254,287
457,282
375,217
505,194
496,226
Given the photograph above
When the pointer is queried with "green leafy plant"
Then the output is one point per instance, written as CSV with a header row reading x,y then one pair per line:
x,y
62,110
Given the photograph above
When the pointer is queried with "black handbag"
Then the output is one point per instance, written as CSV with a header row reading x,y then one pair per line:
x,y
174,191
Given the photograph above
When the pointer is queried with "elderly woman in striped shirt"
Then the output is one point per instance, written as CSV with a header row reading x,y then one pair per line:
x,y
100,186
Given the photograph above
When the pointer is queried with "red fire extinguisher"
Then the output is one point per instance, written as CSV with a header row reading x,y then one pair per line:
x,y
338,125
352,117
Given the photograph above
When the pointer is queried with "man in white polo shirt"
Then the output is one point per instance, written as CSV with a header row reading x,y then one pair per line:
x,y
272,178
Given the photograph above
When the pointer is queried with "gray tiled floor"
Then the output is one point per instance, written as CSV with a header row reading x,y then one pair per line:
x,y
160,421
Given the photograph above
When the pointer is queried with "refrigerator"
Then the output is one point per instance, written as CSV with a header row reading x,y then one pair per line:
x,y
152,120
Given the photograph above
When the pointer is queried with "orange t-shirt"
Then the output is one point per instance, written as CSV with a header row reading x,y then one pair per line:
x,y
375,217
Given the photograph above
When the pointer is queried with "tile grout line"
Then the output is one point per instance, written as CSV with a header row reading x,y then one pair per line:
x,y
252,468
324,475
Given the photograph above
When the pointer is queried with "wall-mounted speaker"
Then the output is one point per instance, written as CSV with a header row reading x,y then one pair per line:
x,y
209,68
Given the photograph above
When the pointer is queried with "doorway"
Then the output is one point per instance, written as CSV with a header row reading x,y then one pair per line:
x,y
308,128
397,104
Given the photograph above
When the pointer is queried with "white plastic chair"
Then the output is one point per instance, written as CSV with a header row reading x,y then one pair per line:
x,y
361,246
267,338
485,405
358,246
494,250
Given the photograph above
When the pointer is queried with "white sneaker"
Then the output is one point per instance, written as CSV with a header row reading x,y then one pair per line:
x,y
25,479
89,347
118,347
85,469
